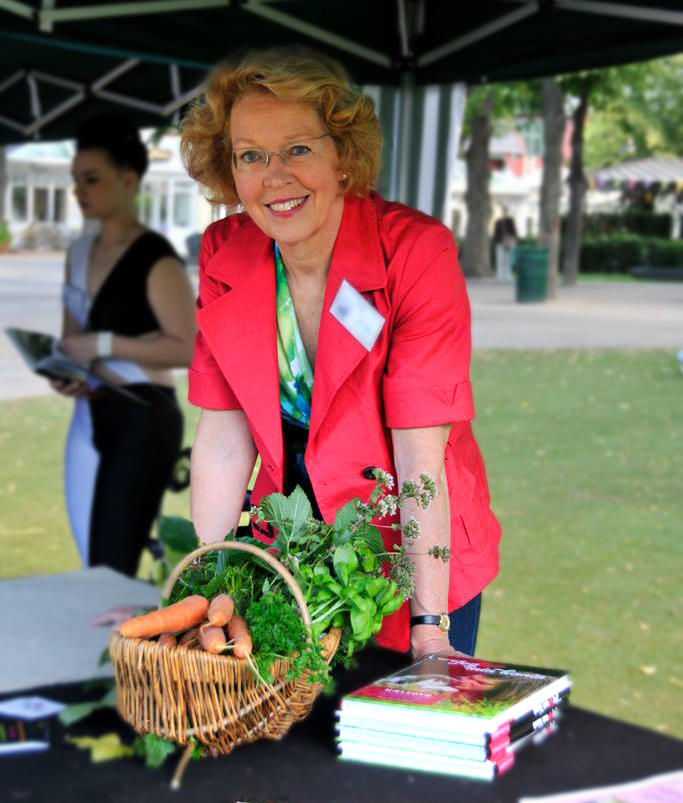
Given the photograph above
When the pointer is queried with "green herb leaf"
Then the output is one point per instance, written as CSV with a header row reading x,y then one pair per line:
x,y
344,562
178,534
392,604
156,750
345,518
287,513
369,534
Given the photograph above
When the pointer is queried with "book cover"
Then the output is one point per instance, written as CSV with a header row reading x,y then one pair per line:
x,y
440,743
25,723
41,354
456,694
506,732
486,769
405,760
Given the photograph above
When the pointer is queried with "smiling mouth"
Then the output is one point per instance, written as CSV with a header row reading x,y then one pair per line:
x,y
286,206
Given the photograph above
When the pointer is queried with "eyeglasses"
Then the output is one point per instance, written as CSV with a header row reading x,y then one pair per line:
x,y
256,160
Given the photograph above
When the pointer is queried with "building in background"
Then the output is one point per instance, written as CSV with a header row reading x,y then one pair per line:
x,y
42,212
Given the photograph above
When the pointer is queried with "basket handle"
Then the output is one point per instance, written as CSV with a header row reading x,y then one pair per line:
x,y
239,546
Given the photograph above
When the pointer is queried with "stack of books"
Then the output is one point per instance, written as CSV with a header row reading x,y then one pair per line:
x,y
459,716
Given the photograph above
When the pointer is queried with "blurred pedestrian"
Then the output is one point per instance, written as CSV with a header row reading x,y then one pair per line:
x,y
504,239
129,314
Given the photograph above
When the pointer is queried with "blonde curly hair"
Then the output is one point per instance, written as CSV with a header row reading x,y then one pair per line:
x,y
311,79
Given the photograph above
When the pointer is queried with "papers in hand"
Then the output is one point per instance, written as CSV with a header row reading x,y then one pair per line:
x,y
42,355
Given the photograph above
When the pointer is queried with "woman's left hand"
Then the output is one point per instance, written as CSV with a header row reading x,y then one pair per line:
x,y
430,644
81,348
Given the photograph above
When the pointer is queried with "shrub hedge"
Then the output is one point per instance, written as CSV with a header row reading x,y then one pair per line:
x,y
620,254
643,224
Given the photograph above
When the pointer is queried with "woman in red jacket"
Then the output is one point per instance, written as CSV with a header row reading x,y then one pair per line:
x,y
334,333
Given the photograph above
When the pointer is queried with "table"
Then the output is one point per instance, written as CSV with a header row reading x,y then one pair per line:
x,y
35,609
588,750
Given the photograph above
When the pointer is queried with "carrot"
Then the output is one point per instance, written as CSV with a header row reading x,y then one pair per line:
x,y
179,616
211,638
221,610
239,634
187,639
168,640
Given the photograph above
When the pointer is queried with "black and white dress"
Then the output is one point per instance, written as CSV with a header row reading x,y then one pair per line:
x,y
119,455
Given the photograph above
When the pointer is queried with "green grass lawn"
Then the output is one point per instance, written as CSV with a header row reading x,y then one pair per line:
x,y
607,277
583,450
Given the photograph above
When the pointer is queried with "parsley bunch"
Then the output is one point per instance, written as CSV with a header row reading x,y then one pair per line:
x,y
278,632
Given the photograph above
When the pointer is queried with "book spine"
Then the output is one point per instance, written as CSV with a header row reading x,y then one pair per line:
x,y
515,727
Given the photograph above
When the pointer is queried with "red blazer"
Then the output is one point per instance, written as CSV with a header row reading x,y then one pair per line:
x,y
416,374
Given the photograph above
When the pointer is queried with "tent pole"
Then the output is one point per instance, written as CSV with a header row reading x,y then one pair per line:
x,y
405,134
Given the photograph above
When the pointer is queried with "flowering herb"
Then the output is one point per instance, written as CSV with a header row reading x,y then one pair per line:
x,y
340,567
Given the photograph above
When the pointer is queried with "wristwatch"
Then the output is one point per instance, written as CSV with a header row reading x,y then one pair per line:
x,y
441,620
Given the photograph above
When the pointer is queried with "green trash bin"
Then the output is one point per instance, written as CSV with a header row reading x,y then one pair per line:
x,y
530,264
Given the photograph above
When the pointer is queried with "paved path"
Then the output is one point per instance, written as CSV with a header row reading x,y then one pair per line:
x,y
590,315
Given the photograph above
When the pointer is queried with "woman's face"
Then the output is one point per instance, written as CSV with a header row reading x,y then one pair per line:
x,y
292,203
101,188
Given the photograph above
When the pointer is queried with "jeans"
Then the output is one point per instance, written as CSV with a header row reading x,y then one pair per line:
x,y
465,625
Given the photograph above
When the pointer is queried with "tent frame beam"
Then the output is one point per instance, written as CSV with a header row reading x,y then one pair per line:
x,y
461,42
102,11
20,9
315,32
261,8
619,10
81,92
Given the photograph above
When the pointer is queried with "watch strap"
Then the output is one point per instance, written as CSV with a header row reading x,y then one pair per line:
x,y
441,620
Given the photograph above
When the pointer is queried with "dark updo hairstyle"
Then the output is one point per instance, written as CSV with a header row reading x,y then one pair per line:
x,y
114,134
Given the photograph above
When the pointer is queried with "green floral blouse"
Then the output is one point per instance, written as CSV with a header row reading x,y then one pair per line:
x,y
295,371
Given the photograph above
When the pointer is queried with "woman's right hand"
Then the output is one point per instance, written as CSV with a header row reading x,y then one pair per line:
x,y
67,388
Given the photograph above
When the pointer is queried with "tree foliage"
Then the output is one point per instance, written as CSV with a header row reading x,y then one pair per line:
x,y
641,116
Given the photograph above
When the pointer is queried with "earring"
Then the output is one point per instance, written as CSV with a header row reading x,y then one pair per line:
x,y
344,176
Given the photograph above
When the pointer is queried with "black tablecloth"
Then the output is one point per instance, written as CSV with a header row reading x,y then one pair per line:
x,y
588,750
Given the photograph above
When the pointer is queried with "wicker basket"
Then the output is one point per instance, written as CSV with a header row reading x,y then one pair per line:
x,y
179,694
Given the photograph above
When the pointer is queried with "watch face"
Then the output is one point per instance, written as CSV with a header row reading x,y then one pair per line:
x,y
444,622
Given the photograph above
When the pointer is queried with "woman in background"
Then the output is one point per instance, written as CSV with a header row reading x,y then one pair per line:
x,y
129,313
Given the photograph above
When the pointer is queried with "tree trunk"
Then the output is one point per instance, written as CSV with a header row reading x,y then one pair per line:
x,y
476,256
577,193
551,186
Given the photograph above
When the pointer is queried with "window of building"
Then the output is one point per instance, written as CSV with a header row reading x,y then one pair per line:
x,y
531,130
182,209
59,212
19,204
145,203
40,204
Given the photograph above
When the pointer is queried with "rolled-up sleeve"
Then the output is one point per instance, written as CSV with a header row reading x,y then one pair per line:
x,y
207,386
426,382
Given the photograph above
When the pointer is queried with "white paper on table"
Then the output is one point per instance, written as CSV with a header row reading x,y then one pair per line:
x,y
30,708
22,747
666,788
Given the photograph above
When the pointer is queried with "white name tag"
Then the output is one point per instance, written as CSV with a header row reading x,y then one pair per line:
x,y
357,315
